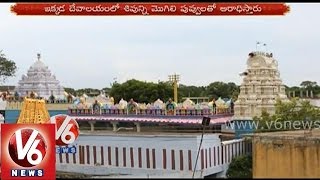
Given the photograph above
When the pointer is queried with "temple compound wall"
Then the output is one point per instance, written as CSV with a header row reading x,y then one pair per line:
x,y
294,154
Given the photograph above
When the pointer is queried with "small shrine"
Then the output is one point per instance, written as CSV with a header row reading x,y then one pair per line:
x,y
85,105
33,111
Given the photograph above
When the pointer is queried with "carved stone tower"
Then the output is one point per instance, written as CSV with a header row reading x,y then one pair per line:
x,y
40,81
261,87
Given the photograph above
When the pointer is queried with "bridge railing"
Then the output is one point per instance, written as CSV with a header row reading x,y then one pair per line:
x,y
146,157
152,112
234,148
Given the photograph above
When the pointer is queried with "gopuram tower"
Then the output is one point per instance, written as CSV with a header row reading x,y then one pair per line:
x,y
41,81
261,87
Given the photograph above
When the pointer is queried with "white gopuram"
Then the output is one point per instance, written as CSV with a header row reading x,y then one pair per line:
x,y
40,81
261,87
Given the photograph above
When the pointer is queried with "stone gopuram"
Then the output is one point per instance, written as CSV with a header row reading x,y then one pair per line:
x,y
261,87
39,80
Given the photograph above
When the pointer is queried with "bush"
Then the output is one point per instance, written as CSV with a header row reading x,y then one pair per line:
x,y
240,167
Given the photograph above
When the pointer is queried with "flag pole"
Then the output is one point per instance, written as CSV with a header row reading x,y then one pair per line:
x,y
265,45
257,43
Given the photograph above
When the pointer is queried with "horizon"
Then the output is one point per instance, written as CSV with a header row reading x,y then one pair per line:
x,y
93,51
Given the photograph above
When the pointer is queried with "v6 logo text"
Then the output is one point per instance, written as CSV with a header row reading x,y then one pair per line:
x,y
27,147
67,129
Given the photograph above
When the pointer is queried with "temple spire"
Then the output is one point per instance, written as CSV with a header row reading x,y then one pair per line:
x,y
41,81
38,56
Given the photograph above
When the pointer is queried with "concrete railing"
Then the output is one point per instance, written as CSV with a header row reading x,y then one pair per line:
x,y
152,112
153,155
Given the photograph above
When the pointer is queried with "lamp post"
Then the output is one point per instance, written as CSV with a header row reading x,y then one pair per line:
x,y
175,78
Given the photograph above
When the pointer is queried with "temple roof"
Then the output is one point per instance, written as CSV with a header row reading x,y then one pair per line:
x,y
261,60
40,80
39,65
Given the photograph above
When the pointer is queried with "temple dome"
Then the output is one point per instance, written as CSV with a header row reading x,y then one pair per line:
x,y
39,65
188,103
40,80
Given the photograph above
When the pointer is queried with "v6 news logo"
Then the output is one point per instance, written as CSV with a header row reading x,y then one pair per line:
x,y
27,147
67,131
28,151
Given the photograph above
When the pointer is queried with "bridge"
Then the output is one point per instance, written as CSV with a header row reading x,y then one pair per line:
x,y
151,155
181,117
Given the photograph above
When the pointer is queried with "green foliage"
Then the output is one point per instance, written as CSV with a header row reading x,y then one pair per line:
x,y
296,110
148,92
220,89
106,90
292,115
191,91
308,84
70,91
8,67
88,92
240,167
305,85
140,91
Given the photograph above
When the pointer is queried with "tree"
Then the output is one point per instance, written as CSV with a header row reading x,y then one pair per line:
x,y
148,92
311,86
106,90
240,167
293,115
220,89
70,91
140,91
7,67
88,91
191,91
308,84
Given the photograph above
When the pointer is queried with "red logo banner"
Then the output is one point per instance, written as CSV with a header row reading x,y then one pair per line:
x,y
28,151
152,9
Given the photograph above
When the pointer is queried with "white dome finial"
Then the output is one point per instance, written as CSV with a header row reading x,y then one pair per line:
x,y
39,56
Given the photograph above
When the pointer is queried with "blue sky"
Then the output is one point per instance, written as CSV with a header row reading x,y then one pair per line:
x,y
92,51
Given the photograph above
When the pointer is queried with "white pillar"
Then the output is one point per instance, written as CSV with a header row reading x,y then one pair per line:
x,y
92,125
138,127
114,125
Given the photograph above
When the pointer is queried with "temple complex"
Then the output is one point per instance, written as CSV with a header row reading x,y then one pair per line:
x,y
261,87
105,105
40,81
